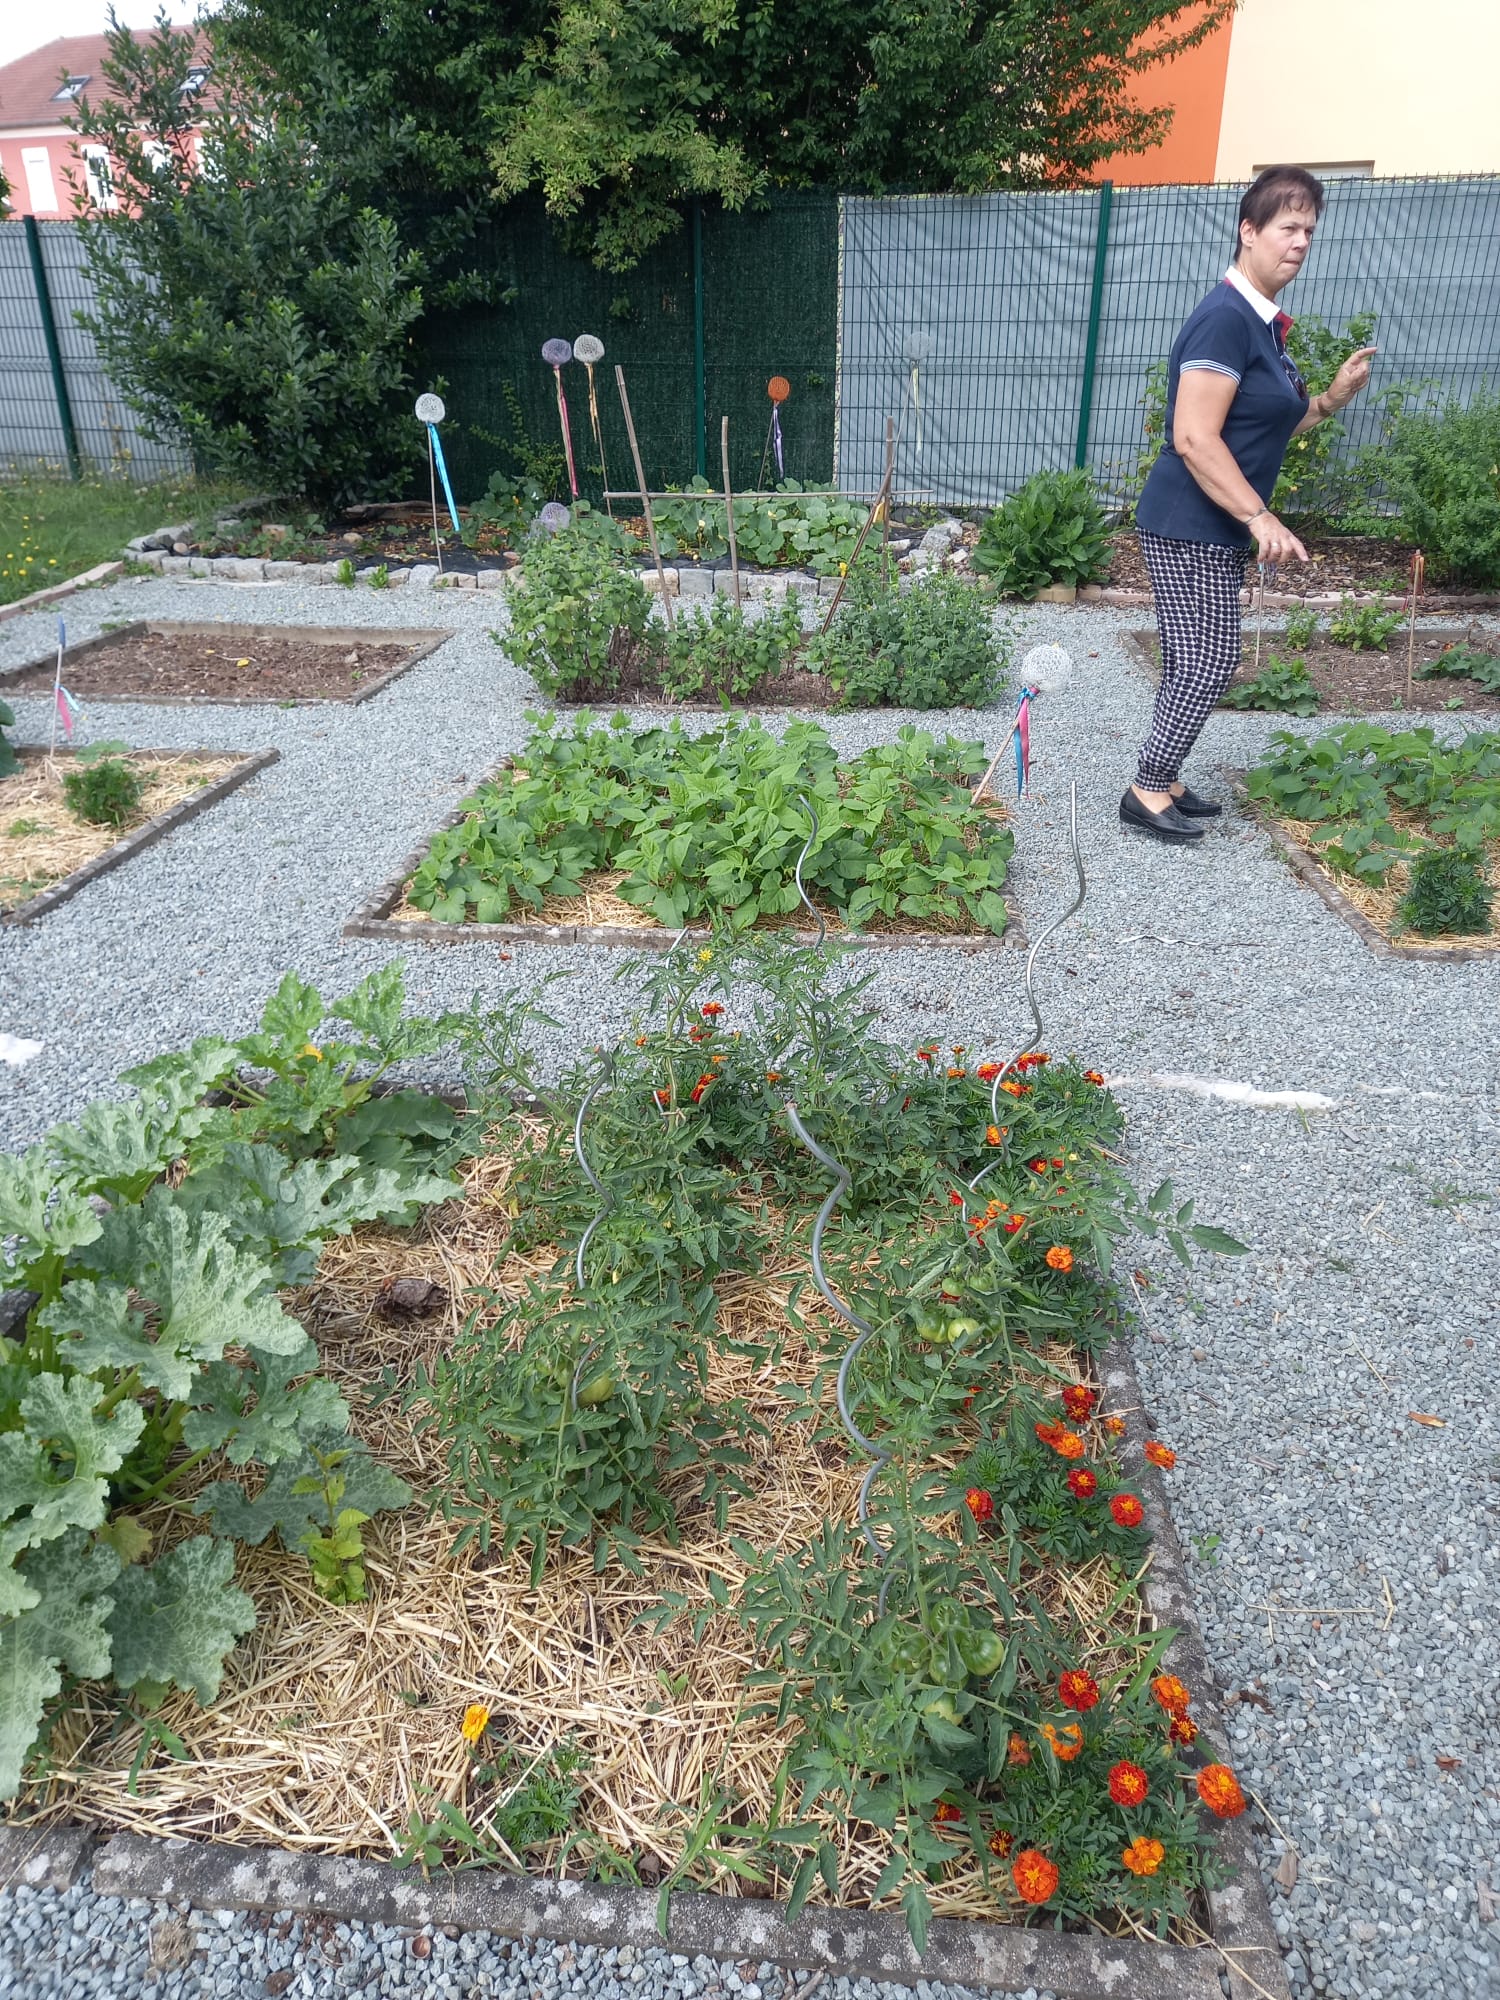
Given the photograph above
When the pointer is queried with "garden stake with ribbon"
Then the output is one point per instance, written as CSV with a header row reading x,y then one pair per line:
x,y
1044,670
555,353
64,707
1262,571
431,411
778,389
640,482
1418,578
877,512
588,349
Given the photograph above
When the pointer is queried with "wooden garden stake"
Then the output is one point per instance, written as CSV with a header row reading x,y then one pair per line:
x,y
881,501
1418,577
885,515
734,554
640,481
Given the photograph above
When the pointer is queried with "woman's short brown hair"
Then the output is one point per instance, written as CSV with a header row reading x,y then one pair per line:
x,y
1275,189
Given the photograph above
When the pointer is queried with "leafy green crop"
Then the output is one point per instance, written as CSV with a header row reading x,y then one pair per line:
x,y
933,645
719,653
1281,684
1301,628
1448,895
104,789
710,825
1051,531
1363,627
1440,463
154,1338
815,532
1465,662
578,618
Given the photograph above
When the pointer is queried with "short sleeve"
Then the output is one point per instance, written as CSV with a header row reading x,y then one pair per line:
x,y
1220,342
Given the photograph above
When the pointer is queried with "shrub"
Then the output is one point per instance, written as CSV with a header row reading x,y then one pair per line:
x,y
104,789
718,653
1282,685
578,618
1448,896
1441,467
1363,627
1051,531
933,645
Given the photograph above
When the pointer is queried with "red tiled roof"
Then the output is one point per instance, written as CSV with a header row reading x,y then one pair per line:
x,y
29,85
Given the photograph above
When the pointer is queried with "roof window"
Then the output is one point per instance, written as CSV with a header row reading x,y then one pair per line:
x,y
69,90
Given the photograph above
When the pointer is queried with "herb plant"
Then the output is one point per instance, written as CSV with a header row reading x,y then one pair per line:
x,y
1051,531
1283,685
1363,627
711,825
933,645
103,789
1440,464
718,652
1448,895
815,531
578,618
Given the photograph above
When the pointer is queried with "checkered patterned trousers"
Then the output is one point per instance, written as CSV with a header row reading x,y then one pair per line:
x,y
1197,590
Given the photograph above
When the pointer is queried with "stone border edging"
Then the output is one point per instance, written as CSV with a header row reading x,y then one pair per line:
x,y
1435,602
85,580
872,1944
251,762
372,919
331,635
1310,871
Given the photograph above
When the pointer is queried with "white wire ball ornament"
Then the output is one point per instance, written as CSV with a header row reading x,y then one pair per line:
x,y
431,409
551,518
588,349
556,352
1047,669
916,348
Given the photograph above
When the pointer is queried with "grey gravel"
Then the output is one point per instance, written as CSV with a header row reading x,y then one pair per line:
x,y
1285,1380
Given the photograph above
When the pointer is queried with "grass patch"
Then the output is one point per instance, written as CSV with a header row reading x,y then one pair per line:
x,y
53,528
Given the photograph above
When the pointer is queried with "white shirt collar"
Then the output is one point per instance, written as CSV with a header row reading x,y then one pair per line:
x,y
1267,308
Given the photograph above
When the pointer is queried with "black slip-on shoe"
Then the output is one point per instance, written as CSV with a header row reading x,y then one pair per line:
x,y
1191,806
1168,825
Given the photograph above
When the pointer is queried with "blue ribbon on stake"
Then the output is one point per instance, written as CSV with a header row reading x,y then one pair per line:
x,y
437,450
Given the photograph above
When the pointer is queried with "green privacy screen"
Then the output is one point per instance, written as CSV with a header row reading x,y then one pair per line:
x,y
699,326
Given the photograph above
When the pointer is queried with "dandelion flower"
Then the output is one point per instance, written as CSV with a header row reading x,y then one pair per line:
x,y
476,1721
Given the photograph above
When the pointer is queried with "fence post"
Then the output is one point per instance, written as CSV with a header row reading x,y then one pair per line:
x,y
54,352
700,417
1096,301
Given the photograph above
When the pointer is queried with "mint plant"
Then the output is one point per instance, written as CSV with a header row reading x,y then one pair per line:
x,y
934,645
1283,685
719,653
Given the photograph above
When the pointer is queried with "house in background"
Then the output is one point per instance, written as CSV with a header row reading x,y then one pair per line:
x,y
1341,86
37,151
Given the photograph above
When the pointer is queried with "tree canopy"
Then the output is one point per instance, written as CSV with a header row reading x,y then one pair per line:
x,y
619,109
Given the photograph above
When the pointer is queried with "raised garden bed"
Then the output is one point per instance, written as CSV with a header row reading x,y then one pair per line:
x,y
188,665
1360,565
47,855
1356,683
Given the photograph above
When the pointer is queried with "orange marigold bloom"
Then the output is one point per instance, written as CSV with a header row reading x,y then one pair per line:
x,y
1066,1742
1050,1433
1078,1402
944,1814
1001,1843
1077,1690
640,1041
476,1721
1082,1483
1034,1875
992,1135
1014,1089
1060,1257
988,1071
979,1503
1171,1694
696,1093
1037,1166
1115,1426
1069,1445
926,1055
662,1096
1017,1751
1128,1783
1127,1510
954,1073
712,1009
959,1048
1183,1730
773,1076
1143,1856
1016,1222
1219,1790
1093,1076
1161,1454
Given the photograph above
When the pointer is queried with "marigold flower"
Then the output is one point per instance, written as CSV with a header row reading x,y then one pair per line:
x,y
955,1199
1014,1089
1069,1445
476,1721
945,1814
1127,1510
1059,1164
1128,1783
955,1073
1060,1257
1037,1166
1001,1843
1219,1790
926,1055
696,1093
1050,1433
1160,1454
1183,1731
1038,1059
1082,1483
1170,1694
1143,1856
968,1402
1066,1742
1077,1690
1017,1751
993,1210
1034,1875
1078,1402
712,1009
718,1055
640,1041
979,1503
992,1135
1016,1222
987,1072
1115,1426
773,1076
662,1096
1093,1076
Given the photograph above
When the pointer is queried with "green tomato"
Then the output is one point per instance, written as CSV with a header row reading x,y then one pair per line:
x,y
598,1389
981,1651
943,1708
912,1652
931,1327
962,1329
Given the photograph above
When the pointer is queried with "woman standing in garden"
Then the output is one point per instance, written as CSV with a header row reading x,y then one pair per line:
x,y
1234,403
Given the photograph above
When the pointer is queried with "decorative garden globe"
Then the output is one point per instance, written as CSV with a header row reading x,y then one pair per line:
x,y
1047,668
431,409
550,519
556,352
588,348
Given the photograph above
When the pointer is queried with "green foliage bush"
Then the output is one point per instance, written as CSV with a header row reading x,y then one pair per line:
x,y
155,1339
933,645
1363,628
1051,531
1440,465
815,531
1281,685
578,618
716,652
710,826
1448,895
103,789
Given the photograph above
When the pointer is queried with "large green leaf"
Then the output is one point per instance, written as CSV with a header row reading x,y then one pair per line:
x,y
253,1413
209,1291
99,1329
116,1148
54,1472
27,1184
294,1516
177,1620
67,1585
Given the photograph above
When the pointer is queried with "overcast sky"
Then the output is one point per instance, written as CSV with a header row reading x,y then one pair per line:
x,y
25,28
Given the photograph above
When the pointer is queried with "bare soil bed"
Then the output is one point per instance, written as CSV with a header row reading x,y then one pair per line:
x,y
1363,683
1361,565
167,662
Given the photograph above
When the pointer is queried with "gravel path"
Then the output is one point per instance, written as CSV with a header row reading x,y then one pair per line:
x,y
1346,1558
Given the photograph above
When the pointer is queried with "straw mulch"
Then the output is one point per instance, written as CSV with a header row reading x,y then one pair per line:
x,y
41,842
1379,901
335,1723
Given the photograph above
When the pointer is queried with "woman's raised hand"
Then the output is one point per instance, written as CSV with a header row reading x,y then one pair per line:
x,y
1351,378
1274,541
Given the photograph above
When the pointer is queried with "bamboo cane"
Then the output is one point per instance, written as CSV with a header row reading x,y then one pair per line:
x,y
734,553
645,497
882,499
1418,577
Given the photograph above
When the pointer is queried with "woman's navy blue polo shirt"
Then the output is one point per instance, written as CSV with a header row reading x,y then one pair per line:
x,y
1225,334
